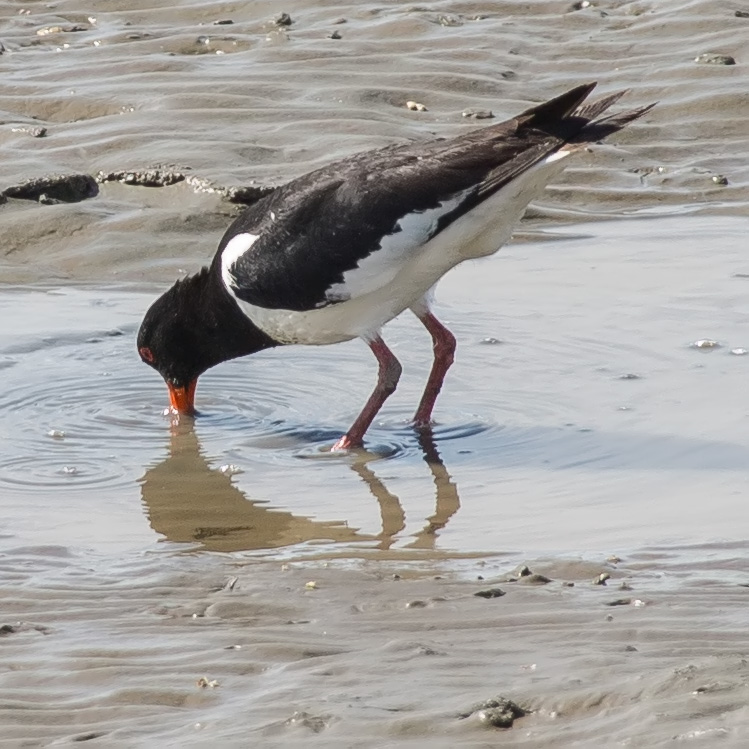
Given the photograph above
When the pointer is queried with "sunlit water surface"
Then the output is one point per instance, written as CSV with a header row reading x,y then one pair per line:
x,y
579,416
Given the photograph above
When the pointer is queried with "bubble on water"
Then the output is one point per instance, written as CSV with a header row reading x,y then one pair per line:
x,y
705,344
739,351
229,469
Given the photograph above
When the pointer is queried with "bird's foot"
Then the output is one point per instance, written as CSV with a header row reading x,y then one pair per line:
x,y
347,443
422,425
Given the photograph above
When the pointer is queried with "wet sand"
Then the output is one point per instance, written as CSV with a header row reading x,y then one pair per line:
x,y
330,600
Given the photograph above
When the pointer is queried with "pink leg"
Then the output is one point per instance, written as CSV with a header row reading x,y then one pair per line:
x,y
387,381
444,353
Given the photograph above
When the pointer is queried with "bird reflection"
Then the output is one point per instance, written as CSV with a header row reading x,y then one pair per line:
x,y
187,501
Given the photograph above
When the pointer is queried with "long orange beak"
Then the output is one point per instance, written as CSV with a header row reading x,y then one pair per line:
x,y
183,398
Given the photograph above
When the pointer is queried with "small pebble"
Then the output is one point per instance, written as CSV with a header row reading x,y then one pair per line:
x,y
581,5
34,132
490,593
70,470
742,14
739,351
284,19
56,434
335,35
478,114
311,585
709,58
205,683
223,22
620,602
490,341
47,30
601,579
720,179
630,649
416,605
534,579
449,21
629,376
414,106
230,469
498,712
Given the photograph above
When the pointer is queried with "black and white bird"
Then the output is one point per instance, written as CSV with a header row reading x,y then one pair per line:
x,y
339,252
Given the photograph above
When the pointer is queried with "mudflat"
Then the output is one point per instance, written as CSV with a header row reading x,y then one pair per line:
x,y
569,537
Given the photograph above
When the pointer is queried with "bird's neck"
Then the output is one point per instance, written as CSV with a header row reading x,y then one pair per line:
x,y
230,331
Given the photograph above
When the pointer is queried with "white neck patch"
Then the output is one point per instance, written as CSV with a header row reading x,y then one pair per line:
x,y
235,248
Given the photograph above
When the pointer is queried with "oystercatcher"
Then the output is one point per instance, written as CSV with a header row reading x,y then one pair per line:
x,y
337,253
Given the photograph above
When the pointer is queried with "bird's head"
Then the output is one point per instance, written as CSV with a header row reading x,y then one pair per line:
x,y
170,341
192,327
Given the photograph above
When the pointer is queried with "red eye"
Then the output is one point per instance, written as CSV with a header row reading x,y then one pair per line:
x,y
146,354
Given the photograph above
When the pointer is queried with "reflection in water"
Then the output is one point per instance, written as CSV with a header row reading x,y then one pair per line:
x,y
391,511
189,501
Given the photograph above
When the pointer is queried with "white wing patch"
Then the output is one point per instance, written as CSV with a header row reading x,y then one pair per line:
x,y
235,248
383,265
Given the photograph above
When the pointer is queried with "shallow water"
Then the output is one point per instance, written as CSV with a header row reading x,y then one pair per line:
x,y
578,422
578,416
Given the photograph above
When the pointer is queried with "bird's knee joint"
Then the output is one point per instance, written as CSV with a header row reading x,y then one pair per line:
x,y
390,377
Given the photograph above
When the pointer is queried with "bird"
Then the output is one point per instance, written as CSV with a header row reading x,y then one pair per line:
x,y
337,253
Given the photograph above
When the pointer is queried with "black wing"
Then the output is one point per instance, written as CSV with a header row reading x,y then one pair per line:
x,y
317,227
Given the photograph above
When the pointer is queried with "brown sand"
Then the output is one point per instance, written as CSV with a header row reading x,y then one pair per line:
x,y
137,558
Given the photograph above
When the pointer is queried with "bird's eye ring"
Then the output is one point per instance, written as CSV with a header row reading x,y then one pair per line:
x,y
146,354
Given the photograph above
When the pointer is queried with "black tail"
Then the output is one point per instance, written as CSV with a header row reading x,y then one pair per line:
x,y
567,117
600,129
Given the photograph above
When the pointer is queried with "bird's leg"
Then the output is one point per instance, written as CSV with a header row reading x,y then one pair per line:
x,y
443,345
387,380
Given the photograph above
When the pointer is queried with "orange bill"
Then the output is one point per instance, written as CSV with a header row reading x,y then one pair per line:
x,y
183,398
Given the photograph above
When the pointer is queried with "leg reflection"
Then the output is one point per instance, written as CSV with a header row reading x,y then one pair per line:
x,y
391,510
447,502
447,499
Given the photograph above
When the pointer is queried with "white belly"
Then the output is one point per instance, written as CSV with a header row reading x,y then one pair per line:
x,y
480,232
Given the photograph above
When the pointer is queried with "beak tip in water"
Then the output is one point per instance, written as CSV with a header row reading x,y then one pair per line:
x,y
182,398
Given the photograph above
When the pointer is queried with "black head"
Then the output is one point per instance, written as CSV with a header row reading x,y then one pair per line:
x,y
169,341
192,327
